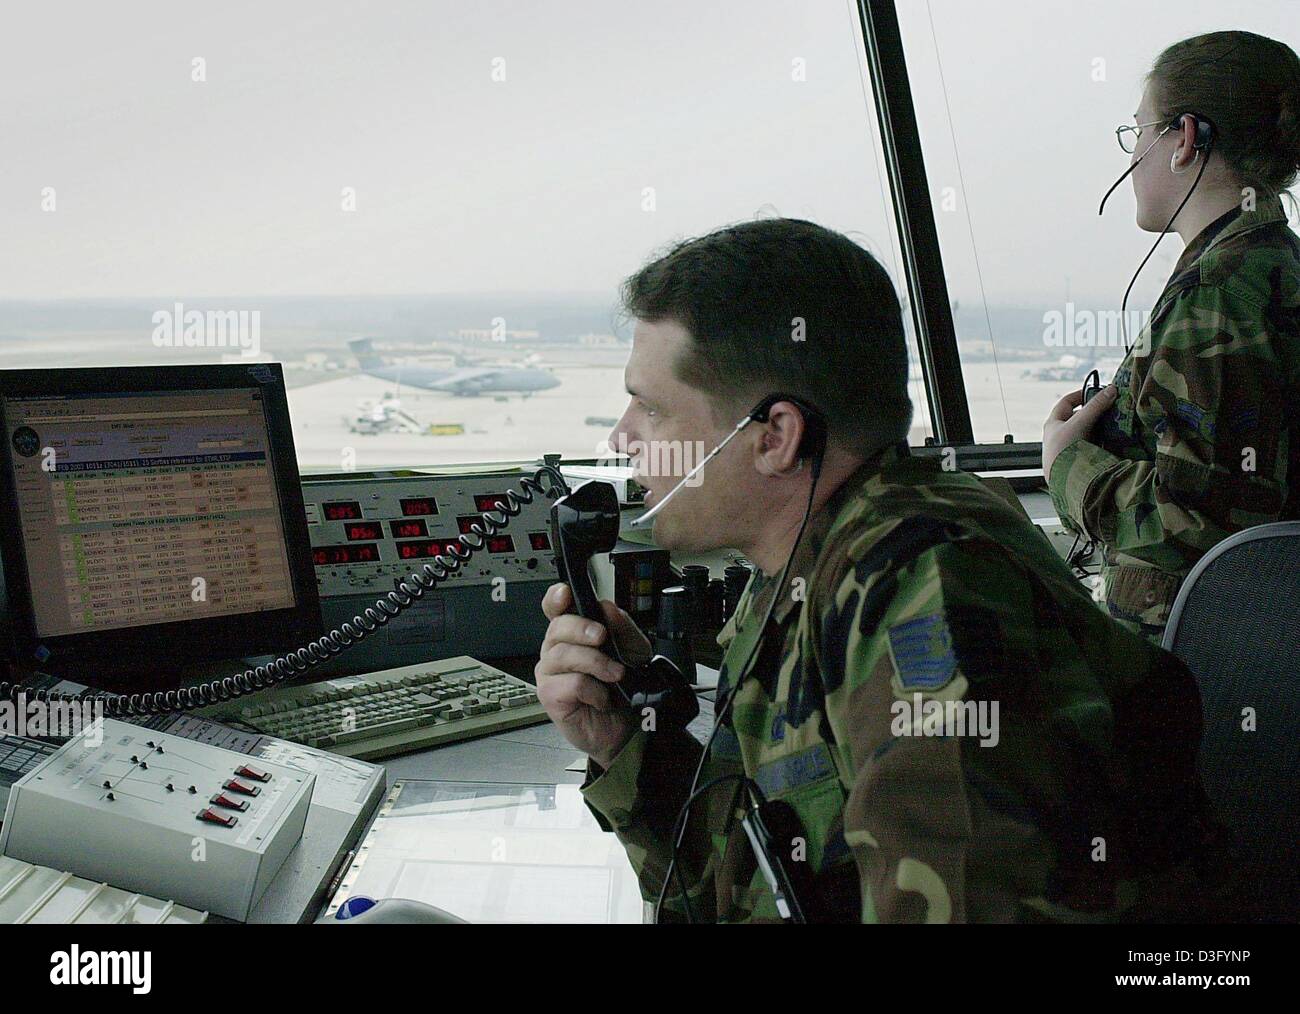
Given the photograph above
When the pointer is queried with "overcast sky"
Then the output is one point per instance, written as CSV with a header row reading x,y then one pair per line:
x,y
232,186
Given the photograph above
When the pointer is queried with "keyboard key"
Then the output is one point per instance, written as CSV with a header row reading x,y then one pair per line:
x,y
384,729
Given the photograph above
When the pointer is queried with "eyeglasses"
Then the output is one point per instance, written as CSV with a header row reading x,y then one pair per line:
x,y
1127,134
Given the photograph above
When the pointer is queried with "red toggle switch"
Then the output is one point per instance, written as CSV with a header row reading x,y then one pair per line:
x,y
230,804
253,773
212,817
235,785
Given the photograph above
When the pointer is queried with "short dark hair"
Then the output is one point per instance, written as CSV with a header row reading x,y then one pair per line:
x,y
780,304
1248,86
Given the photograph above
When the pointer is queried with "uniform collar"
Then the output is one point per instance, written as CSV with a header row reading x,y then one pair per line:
x,y
1228,225
814,537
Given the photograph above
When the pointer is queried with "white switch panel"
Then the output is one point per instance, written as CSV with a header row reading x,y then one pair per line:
x,y
127,811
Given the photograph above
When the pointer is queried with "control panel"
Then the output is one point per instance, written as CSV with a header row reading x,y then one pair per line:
x,y
165,816
369,532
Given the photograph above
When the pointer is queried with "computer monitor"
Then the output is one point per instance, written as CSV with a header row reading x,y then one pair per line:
x,y
154,519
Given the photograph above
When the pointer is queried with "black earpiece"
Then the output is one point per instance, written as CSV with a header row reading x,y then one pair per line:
x,y
1204,129
813,445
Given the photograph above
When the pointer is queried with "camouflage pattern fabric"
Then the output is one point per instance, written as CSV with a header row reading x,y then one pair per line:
x,y
1204,437
916,588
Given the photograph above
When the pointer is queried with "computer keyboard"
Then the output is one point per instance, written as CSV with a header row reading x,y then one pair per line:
x,y
18,755
391,711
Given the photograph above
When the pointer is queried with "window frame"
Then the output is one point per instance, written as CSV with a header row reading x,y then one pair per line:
x,y
927,285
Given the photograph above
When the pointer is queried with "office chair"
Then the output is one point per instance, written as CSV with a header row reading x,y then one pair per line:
x,y
1236,625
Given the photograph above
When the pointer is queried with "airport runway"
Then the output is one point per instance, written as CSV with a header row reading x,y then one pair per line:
x,y
554,421
516,428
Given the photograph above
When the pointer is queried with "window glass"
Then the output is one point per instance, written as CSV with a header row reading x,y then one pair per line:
x,y
422,209
1017,106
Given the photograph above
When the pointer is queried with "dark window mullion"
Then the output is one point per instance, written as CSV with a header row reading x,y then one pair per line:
x,y
918,239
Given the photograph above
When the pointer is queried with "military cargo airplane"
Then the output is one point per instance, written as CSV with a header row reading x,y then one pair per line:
x,y
462,381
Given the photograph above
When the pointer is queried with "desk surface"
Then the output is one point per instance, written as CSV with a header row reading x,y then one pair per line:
x,y
531,755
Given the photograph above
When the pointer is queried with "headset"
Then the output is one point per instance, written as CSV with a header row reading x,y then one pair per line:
x,y
1205,136
766,824
1202,144
812,446
1204,132
1204,129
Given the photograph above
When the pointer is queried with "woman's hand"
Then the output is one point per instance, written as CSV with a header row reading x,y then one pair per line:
x,y
1065,425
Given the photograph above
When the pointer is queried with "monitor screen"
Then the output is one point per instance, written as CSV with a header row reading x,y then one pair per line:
x,y
138,509
152,507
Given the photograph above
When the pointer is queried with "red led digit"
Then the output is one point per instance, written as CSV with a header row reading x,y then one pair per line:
x,y
421,548
326,556
343,510
416,506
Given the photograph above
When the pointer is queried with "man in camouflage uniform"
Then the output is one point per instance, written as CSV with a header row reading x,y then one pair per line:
x,y
1057,780
1200,435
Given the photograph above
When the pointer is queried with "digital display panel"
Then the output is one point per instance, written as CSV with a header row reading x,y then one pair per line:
x,y
418,506
341,510
357,552
412,529
422,548
489,501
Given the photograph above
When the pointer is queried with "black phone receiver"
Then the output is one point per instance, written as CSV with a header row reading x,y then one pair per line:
x,y
585,523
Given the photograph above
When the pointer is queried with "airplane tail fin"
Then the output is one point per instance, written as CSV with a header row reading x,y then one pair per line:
x,y
365,352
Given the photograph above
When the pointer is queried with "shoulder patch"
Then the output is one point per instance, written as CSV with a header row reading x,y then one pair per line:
x,y
923,653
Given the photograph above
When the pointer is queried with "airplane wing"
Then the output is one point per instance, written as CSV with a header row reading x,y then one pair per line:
x,y
468,381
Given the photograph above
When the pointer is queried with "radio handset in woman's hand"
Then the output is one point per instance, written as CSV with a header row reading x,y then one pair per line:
x,y
585,523
1091,387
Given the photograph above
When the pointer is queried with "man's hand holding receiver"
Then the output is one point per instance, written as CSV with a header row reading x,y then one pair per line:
x,y
574,675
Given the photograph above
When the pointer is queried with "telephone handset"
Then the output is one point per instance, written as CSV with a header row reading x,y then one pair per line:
x,y
585,523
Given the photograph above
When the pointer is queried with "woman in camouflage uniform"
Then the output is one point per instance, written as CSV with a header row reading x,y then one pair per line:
x,y
1199,435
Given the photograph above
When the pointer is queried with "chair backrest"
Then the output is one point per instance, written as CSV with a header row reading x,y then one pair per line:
x,y
1236,625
